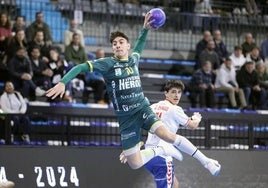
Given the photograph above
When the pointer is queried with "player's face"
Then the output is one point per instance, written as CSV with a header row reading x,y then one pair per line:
x,y
120,47
174,95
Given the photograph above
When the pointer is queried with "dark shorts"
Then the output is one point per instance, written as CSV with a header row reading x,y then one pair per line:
x,y
130,126
162,170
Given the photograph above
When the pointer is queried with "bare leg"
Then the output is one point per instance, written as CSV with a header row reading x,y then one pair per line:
x,y
175,183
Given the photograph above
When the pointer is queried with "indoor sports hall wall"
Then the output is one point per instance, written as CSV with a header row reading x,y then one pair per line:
x,y
99,167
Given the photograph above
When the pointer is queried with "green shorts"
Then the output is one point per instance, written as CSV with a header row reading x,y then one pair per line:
x,y
130,126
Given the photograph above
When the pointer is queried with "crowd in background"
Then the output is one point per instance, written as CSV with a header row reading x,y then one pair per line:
x,y
33,63
241,74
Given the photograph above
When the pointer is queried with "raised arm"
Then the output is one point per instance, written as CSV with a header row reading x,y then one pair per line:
x,y
140,42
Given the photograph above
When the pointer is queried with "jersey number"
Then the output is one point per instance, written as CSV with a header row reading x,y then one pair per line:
x,y
129,70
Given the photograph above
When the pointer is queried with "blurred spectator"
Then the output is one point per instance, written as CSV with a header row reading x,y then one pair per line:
x,y
254,55
206,15
5,35
187,13
264,49
201,45
252,7
18,40
96,81
220,47
21,74
38,25
210,55
262,75
59,66
247,79
202,85
41,73
12,102
39,41
19,24
237,58
68,34
226,83
75,53
248,44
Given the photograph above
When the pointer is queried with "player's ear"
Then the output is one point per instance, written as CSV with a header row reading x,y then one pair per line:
x,y
128,46
165,92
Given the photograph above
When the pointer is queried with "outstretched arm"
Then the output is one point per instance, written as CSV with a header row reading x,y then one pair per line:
x,y
59,88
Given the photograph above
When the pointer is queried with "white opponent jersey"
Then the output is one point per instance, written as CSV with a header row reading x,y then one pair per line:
x,y
171,115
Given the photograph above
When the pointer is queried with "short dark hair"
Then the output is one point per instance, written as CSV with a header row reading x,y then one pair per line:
x,y
118,34
35,47
228,59
173,84
237,48
20,48
249,63
37,13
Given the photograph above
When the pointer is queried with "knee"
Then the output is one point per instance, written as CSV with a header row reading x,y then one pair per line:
x,y
134,165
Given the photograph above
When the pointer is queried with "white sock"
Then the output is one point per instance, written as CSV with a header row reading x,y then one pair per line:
x,y
200,157
149,153
186,146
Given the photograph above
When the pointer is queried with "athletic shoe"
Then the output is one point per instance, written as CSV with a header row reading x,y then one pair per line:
x,y
7,184
39,92
213,167
170,150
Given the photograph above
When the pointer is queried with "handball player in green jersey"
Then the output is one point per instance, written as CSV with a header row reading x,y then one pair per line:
x,y
131,107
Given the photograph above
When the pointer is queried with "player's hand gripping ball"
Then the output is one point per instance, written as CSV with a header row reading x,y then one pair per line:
x,y
159,17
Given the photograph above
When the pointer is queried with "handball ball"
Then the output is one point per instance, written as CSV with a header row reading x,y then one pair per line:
x,y
159,17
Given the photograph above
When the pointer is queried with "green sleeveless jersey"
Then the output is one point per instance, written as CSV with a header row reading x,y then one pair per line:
x,y
122,79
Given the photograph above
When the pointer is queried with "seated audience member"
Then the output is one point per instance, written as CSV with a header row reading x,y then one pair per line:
x,y
264,48
75,53
21,74
254,55
59,66
248,44
96,81
18,40
19,24
237,57
39,25
41,72
5,35
262,75
187,14
12,102
210,55
39,41
201,45
220,47
252,7
68,34
204,7
226,83
247,79
202,85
